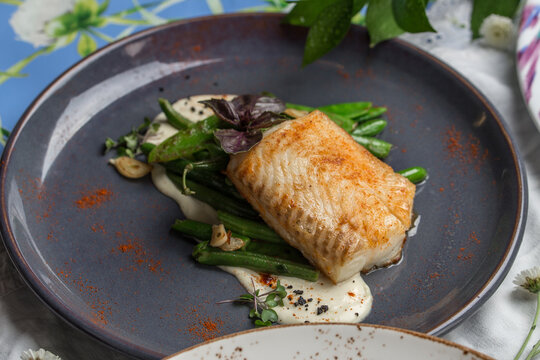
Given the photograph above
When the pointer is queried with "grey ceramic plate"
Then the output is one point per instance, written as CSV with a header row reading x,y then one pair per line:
x,y
113,269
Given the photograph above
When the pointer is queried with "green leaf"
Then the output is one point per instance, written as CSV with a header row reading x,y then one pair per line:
x,y
410,15
103,7
483,8
270,300
305,12
259,323
280,290
86,8
86,45
328,30
131,141
269,315
109,144
248,297
254,314
380,21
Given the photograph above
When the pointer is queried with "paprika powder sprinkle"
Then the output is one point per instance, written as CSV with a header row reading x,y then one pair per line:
x,y
94,198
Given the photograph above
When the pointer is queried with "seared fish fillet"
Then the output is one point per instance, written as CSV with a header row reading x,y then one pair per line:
x,y
326,195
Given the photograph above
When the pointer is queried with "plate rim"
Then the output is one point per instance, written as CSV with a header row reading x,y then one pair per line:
x,y
358,326
118,343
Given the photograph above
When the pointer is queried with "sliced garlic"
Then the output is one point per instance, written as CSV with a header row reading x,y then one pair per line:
x,y
232,244
219,235
131,168
296,113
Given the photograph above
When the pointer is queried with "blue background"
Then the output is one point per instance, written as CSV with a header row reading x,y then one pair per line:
x,y
16,94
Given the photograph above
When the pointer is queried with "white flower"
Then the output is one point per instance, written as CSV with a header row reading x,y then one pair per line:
x,y
498,31
529,280
32,16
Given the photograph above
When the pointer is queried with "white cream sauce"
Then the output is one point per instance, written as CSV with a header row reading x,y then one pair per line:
x,y
321,301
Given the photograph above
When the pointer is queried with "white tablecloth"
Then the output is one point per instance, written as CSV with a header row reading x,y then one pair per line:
x,y
500,325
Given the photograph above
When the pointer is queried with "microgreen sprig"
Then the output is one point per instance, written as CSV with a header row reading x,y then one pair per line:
x,y
262,312
128,145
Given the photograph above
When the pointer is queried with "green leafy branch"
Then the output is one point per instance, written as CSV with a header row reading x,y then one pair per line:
x,y
329,20
262,312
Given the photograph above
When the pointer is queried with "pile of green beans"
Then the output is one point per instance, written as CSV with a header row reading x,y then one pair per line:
x,y
193,161
267,257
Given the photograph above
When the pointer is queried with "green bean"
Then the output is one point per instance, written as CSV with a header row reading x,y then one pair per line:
x,y
372,113
253,229
205,254
174,117
202,231
350,110
344,122
282,251
215,198
377,147
414,174
370,127
215,181
181,145
146,148
193,228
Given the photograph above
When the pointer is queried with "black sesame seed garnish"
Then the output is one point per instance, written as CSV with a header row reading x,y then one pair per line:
x,y
289,287
301,301
192,109
201,112
310,300
322,309
298,292
356,314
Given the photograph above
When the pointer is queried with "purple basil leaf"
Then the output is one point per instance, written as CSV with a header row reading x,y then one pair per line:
x,y
266,120
234,141
225,110
267,104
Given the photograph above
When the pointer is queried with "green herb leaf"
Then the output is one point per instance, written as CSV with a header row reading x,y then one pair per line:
x,y
380,21
254,314
109,144
410,15
483,8
259,323
86,45
280,290
132,141
155,127
305,12
270,300
328,30
269,315
248,297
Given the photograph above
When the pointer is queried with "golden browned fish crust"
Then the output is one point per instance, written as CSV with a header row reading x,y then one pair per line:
x,y
326,195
